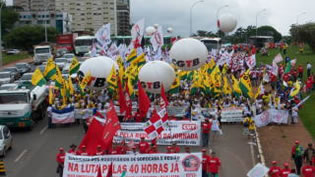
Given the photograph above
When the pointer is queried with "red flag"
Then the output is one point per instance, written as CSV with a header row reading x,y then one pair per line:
x,y
128,113
112,125
163,104
110,170
93,137
143,101
154,126
122,99
99,172
163,96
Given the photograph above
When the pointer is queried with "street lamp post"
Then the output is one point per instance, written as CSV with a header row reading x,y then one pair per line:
x,y
46,7
2,3
258,13
298,16
194,4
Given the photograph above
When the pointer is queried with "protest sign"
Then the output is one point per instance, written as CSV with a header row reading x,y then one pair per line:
x,y
140,165
181,132
272,116
63,116
232,114
258,170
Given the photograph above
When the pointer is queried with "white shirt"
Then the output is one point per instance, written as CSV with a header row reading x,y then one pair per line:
x,y
309,66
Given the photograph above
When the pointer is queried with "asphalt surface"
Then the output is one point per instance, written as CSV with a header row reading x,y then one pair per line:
x,y
33,152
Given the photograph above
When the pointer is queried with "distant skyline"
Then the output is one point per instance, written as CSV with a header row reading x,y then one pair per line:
x,y
280,14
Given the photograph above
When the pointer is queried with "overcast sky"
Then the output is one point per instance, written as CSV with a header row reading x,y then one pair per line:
x,y
175,13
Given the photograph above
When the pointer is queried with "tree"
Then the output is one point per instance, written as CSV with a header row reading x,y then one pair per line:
x,y
26,36
304,33
269,31
8,18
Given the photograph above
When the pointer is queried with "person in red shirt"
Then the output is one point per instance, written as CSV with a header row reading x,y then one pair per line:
x,y
99,150
213,165
274,170
60,158
286,77
300,71
143,146
308,170
169,150
205,161
82,151
72,149
309,84
153,150
122,148
175,148
285,171
206,128
187,149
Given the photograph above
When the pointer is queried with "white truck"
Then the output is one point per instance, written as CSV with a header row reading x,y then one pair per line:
x,y
42,53
23,106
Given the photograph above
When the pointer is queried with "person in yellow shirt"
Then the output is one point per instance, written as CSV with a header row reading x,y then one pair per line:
x,y
249,126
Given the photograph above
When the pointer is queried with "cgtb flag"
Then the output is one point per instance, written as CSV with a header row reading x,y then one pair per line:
x,y
154,126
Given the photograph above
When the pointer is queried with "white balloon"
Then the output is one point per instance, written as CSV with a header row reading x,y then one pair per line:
x,y
189,54
99,67
150,30
153,74
227,23
169,30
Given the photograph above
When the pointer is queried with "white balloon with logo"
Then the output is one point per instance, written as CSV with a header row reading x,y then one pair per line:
x,y
153,74
227,23
99,67
189,54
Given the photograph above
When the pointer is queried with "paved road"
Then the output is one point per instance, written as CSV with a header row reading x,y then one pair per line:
x,y
33,152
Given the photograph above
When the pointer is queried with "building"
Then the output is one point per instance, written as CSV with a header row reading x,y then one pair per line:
x,y
123,17
60,20
35,5
89,15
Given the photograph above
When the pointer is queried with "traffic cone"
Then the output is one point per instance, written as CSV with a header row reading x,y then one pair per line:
x,y
2,169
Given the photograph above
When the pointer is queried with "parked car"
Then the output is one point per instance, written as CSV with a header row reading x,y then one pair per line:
x,y
27,77
14,72
60,62
68,55
6,77
42,68
13,51
6,140
11,86
23,67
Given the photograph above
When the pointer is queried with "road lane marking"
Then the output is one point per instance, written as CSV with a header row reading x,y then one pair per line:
x,y
21,155
43,130
251,145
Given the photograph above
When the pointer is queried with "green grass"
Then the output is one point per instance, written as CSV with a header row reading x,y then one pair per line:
x,y
307,113
12,58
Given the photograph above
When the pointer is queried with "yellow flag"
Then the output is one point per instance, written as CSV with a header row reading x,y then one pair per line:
x,y
51,96
112,78
71,89
245,85
38,78
86,79
296,90
226,87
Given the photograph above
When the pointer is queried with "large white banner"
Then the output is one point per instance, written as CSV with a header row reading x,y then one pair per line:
x,y
140,165
232,114
272,116
181,132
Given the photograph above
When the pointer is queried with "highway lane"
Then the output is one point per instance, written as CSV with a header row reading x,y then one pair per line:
x,y
34,151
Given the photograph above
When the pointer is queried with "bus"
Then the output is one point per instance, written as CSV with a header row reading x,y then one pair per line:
x,y
127,40
83,44
212,43
260,41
